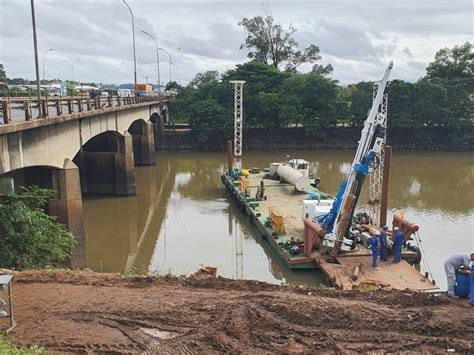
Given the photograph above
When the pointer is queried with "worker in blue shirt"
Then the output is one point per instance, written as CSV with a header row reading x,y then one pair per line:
x,y
398,239
374,245
383,243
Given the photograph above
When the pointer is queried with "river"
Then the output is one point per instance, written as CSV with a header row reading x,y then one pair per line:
x,y
182,218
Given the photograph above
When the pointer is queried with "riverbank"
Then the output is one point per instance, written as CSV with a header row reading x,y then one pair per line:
x,y
341,138
87,312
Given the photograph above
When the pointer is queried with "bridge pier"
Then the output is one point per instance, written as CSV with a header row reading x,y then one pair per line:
x,y
158,122
107,165
68,208
143,142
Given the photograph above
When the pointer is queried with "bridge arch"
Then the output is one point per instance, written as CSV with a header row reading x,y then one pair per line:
x,y
142,133
106,164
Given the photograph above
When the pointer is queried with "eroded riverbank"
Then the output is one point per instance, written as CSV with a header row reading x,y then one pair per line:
x,y
77,312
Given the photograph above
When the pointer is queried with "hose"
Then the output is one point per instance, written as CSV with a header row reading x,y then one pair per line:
x,y
423,256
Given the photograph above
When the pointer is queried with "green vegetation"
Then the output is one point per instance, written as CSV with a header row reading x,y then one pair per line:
x,y
276,99
8,349
30,238
269,43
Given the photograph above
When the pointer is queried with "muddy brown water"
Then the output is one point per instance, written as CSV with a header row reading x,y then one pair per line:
x,y
182,218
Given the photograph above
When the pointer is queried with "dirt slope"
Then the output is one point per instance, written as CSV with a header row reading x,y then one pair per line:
x,y
83,312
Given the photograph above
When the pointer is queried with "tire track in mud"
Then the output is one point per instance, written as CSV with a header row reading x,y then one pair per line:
x,y
111,314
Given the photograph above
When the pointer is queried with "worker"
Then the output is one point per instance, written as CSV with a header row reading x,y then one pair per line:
x,y
398,239
383,243
454,262
374,245
472,279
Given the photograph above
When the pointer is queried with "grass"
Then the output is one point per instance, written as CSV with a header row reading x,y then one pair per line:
x,y
6,348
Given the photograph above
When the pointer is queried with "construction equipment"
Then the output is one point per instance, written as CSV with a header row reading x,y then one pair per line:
x,y
238,121
276,221
376,177
244,186
337,221
6,282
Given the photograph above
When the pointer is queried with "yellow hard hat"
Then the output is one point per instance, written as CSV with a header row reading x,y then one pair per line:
x,y
245,172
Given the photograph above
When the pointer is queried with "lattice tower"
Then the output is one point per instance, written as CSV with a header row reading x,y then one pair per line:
x,y
376,175
238,121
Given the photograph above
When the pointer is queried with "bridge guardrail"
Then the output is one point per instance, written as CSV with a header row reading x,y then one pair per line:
x,y
56,106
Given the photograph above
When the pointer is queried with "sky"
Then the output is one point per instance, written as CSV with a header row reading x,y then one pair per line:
x,y
92,40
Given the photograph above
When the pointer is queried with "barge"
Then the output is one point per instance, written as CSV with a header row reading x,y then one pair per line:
x,y
311,229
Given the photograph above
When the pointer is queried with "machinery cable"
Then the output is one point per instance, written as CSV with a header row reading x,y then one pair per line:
x,y
423,255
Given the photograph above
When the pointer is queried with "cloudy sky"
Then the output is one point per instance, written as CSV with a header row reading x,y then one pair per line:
x,y
357,37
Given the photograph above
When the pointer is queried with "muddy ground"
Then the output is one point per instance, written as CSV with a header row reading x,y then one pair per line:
x,y
99,313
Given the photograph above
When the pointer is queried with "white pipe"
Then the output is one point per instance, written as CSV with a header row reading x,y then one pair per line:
x,y
293,177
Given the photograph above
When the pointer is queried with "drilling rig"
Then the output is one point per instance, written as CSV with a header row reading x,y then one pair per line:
x,y
367,159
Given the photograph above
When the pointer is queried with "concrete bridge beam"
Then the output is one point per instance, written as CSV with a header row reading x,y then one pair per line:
x,y
68,208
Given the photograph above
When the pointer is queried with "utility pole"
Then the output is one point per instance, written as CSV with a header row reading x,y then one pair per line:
x,y
35,41
134,55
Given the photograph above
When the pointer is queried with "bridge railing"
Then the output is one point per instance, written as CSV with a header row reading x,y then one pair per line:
x,y
26,108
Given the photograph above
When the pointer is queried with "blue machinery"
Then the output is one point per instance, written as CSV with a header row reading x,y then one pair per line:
x,y
337,221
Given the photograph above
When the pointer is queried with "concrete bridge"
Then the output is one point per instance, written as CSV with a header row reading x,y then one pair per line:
x,y
91,148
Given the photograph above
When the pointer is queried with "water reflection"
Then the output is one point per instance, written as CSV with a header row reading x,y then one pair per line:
x,y
182,218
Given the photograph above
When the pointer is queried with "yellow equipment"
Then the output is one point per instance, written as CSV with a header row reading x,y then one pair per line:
x,y
244,185
276,221
245,172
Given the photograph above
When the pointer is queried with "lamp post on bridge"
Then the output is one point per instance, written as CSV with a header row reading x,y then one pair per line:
x,y
179,73
35,43
157,58
134,54
169,56
44,56
72,70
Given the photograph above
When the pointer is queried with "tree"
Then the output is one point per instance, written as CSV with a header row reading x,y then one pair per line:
x,y
29,238
204,78
457,62
3,74
361,102
210,122
400,113
259,78
269,43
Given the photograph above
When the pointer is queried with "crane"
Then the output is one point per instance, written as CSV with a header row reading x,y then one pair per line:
x,y
337,222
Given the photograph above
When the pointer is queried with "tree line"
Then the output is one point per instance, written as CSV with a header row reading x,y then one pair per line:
x,y
276,95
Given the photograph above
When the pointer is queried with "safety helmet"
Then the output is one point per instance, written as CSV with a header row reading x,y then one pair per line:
x,y
385,227
377,233
395,229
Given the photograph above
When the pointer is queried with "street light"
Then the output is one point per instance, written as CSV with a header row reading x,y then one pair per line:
x,y
44,55
134,55
169,56
179,73
35,43
157,58
72,66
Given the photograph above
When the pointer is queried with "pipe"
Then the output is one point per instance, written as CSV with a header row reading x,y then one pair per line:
x,y
293,177
312,232
405,226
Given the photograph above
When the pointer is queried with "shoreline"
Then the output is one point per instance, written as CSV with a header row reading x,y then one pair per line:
x,y
88,312
341,138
